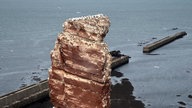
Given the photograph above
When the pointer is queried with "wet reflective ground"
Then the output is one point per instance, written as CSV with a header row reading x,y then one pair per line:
x,y
161,79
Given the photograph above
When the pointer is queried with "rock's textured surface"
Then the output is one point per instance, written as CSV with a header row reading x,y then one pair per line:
x,y
80,73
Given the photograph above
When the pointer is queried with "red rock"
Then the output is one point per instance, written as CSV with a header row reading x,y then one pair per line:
x,y
79,76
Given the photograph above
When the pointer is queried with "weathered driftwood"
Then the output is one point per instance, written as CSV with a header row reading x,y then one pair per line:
x,y
150,47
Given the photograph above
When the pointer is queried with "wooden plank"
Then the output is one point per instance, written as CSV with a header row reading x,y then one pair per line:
x,y
157,44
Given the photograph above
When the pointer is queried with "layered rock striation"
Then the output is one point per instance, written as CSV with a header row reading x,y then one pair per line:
x,y
79,76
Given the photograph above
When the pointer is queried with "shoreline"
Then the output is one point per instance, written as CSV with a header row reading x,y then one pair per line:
x,y
35,92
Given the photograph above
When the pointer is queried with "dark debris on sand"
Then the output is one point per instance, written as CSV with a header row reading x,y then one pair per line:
x,y
182,103
190,96
116,74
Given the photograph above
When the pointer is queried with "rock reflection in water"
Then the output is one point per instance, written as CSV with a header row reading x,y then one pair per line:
x,y
122,96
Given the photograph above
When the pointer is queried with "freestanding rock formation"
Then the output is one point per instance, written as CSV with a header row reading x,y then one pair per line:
x,y
81,64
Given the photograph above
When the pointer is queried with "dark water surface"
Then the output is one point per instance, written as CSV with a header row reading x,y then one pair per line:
x,y
162,79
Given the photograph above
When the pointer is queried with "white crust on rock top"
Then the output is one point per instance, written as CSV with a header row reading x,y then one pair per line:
x,y
93,27
86,17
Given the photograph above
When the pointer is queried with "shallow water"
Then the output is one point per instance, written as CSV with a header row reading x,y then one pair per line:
x,y
28,30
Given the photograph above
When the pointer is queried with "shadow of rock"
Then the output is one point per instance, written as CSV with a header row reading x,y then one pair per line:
x,y
122,96
43,103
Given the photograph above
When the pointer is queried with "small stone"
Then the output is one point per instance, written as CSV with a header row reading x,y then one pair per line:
x,y
23,85
154,38
36,78
182,103
178,95
148,104
175,28
34,72
44,69
190,96
116,73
